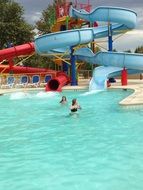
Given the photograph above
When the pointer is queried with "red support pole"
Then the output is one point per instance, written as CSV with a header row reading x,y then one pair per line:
x,y
108,84
124,77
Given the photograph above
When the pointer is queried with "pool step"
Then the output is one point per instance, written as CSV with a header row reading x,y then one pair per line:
x,y
83,82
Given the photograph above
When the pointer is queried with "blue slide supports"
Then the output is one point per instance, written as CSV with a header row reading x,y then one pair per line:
x,y
73,68
110,41
65,67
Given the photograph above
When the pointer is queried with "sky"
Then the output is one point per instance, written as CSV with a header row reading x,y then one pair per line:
x,y
132,39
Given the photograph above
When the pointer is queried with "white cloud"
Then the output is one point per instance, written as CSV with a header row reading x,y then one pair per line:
x,y
128,41
33,17
131,40
135,32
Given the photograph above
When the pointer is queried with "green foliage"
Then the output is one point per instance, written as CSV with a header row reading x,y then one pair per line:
x,y
139,49
47,20
44,25
13,28
39,61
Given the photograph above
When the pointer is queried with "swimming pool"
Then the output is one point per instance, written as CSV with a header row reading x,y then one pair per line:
x,y
42,147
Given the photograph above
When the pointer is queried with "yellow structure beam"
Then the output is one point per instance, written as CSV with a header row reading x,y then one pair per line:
x,y
17,63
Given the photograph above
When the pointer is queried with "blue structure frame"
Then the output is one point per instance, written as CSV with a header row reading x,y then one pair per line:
x,y
110,41
65,67
73,68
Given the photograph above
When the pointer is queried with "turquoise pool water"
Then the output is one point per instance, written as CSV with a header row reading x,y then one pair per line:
x,y
42,147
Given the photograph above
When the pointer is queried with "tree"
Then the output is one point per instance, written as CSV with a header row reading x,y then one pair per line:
x,y
48,17
39,61
44,25
128,51
47,20
13,28
139,49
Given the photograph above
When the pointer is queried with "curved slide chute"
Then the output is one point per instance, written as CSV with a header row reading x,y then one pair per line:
x,y
58,82
124,19
102,73
100,76
9,53
115,59
118,15
112,64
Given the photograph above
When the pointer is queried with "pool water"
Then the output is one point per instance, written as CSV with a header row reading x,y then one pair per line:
x,y
43,147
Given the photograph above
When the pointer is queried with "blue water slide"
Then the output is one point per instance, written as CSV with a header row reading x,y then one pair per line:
x,y
112,64
115,59
122,19
100,75
110,14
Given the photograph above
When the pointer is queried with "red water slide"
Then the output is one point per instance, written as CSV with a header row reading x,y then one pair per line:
x,y
16,51
28,49
58,82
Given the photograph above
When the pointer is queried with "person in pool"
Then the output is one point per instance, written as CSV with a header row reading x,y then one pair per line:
x,y
75,106
63,100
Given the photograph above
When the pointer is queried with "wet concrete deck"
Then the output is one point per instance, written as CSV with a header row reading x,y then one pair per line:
x,y
136,98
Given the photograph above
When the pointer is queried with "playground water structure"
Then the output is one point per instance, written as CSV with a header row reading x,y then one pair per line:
x,y
66,152
58,78
119,20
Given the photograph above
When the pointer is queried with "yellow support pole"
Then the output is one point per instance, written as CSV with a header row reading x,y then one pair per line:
x,y
17,63
62,59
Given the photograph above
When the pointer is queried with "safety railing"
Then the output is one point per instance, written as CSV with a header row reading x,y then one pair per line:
x,y
17,77
63,9
84,6
84,74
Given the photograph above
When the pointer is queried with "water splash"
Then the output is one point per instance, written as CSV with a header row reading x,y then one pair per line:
x,y
19,95
99,84
46,94
91,92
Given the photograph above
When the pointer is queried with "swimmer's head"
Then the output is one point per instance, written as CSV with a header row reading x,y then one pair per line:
x,y
74,101
63,100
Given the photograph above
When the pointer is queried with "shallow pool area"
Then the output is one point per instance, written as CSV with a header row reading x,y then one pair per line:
x,y
43,147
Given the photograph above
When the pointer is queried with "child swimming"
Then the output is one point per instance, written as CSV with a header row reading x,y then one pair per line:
x,y
63,100
75,106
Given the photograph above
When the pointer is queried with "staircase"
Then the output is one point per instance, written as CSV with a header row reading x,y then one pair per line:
x,y
83,82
